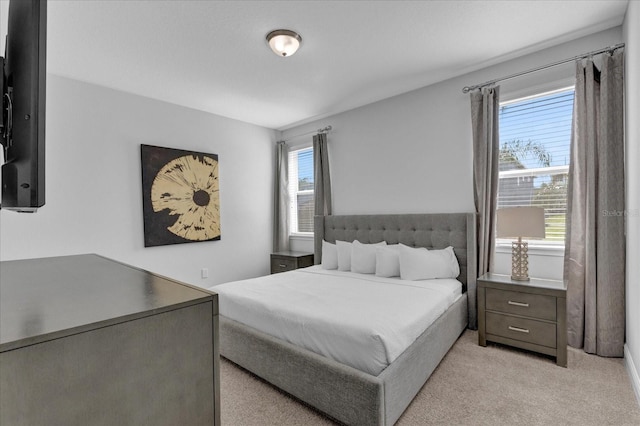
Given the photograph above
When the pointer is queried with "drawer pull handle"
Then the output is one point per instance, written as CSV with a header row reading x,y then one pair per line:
x,y
524,305
282,266
521,330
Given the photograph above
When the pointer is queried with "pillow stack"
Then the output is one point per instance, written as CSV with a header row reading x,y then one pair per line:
x,y
423,264
397,260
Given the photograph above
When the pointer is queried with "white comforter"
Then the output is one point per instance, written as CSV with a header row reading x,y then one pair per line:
x,y
356,319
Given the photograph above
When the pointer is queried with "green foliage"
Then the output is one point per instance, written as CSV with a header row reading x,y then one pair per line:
x,y
516,150
305,184
551,194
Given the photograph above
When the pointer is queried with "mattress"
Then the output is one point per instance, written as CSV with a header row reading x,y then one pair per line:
x,y
359,320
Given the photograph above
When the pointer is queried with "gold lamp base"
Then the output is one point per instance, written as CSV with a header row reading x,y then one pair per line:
x,y
520,260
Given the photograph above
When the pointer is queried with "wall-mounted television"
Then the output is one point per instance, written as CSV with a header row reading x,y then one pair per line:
x,y
22,122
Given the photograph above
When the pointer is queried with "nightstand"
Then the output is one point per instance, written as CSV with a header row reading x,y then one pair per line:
x,y
283,261
529,315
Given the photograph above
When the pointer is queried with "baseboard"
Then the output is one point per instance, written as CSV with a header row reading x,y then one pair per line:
x,y
633,372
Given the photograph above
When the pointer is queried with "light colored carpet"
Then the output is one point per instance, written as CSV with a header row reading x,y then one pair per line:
x,y
473,385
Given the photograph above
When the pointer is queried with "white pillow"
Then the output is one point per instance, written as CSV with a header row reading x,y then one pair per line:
x,y
329,256
363,257
344,255
423,264
388,261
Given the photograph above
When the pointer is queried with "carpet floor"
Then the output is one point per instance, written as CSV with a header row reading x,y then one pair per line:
x,y
473,385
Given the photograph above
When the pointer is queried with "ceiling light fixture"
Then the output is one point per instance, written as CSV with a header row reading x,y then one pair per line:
x,y
284,42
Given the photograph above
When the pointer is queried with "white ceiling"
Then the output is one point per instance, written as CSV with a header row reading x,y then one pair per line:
x,y
212,55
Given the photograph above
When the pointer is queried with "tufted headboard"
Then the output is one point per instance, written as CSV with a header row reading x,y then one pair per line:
x,y
433,231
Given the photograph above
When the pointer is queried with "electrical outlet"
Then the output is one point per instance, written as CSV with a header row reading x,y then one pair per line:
x,y
204,272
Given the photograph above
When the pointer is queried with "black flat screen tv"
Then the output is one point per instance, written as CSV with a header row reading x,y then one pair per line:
x,y
22,122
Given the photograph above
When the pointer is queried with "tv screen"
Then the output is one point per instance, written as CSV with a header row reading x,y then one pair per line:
x,y
23,106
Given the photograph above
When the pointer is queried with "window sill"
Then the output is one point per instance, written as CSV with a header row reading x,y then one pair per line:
x,y
307,236
535,250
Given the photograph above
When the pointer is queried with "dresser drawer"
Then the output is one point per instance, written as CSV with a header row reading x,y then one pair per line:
x,y
525,304
523,329
279,264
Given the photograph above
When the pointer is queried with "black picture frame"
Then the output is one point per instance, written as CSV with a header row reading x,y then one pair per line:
x,y
180,193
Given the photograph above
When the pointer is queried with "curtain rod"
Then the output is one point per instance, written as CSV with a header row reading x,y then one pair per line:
x,y
323,130
467,89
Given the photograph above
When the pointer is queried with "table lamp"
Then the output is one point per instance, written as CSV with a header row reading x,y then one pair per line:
x,y
520,222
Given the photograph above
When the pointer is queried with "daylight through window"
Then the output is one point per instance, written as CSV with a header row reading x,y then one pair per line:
x,y
301,201
535,139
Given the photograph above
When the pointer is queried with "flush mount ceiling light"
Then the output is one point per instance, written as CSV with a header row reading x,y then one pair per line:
x,y
284,42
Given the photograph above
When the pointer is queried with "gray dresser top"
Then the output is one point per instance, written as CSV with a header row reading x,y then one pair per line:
x,y
555,287
43,299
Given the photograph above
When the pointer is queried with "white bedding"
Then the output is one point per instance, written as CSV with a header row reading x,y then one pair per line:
x,y
356,319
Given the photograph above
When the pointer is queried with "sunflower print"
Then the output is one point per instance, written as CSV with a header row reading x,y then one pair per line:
x,y
188,187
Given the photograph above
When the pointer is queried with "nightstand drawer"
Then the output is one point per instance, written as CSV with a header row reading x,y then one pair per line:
x,y
279,264
523,329
529,305
290,260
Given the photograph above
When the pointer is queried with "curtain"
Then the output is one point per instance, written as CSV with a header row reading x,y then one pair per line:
x,y
486,146
322,180
281,199
594,263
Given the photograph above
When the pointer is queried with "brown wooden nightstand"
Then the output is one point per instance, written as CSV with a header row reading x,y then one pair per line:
x,y
529,315
283,261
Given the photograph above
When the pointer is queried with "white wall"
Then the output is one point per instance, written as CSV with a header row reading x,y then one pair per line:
x,y
413,153
632,73
93,185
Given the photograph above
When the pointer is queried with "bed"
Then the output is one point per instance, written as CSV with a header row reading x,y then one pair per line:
x,y
352,394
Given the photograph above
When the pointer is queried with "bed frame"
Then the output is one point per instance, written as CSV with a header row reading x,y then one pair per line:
x,y
343,392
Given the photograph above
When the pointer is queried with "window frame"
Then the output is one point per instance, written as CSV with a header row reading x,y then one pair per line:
x,y
536,247
297,234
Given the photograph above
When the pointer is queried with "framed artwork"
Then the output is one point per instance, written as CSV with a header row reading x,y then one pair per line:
x,y
180,192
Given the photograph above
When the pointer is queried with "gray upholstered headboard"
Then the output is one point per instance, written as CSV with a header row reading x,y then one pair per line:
x,y
433,231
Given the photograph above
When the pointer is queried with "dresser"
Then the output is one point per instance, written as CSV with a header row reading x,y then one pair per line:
x,y
88,340
289,260
529,315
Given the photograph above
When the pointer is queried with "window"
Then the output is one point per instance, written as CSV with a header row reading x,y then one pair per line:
x,y
301,201
535,140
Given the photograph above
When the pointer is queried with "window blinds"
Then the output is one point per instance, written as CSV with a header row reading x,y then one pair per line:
x,y
535,139
301,201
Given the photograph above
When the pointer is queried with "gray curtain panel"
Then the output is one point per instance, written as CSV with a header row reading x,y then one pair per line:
x,y
485,105
322,180
594,263
281,199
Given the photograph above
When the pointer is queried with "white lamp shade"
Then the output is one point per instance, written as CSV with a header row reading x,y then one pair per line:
x,y
284,42
525,222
